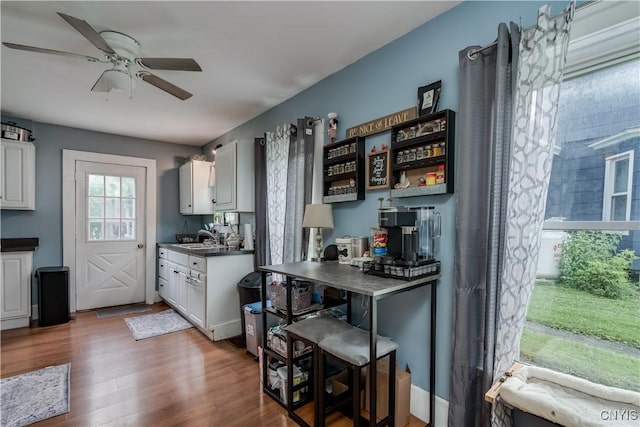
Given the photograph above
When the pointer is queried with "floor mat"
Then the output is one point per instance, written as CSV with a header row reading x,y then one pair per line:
x,y
34,396
152,325
121,310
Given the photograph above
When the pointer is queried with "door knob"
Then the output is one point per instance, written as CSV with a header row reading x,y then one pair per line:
x,y
140,245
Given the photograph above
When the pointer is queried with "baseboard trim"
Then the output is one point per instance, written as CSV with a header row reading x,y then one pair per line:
x,y
420,407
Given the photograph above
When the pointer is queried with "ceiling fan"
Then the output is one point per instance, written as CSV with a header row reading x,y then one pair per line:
x,y
121,52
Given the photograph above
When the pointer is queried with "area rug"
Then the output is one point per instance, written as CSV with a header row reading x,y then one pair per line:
x,y
124,309
152,325
34,396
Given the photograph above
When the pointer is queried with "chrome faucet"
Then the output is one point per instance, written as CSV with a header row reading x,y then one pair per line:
x,y
212,236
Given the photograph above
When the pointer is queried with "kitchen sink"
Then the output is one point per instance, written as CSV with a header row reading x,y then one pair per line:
x,y
198,246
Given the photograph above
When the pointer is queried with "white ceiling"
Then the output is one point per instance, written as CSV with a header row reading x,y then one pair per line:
x,y
254,55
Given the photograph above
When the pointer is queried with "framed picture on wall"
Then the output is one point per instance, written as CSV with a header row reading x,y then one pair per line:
x,y
428,97
378,170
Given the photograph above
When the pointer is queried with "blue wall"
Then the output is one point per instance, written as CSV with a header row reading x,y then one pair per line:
x,y
46,221
381,83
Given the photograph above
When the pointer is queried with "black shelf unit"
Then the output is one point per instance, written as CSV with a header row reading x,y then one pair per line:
x,y
268,354
343,171
420,148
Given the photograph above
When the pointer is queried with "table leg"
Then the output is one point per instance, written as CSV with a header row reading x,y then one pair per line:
x,y
373,352
432,357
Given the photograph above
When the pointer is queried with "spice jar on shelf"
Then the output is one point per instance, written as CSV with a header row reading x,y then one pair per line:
x,y
427,152
419,153
412,155
440,174
399,158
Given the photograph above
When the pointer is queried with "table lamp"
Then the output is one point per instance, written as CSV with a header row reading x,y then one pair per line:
x,y
318,216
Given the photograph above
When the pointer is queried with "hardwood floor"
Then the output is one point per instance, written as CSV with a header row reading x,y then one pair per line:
x,y
179,379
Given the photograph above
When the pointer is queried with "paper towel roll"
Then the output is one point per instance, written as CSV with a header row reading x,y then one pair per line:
x,y
248,237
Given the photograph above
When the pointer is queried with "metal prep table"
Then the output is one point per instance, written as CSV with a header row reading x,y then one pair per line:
x,y
352,280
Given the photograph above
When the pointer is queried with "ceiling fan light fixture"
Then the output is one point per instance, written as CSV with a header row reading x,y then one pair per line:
x,y
119,80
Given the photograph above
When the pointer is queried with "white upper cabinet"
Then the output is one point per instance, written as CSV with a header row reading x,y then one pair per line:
x,y
234,184
196,196
18,175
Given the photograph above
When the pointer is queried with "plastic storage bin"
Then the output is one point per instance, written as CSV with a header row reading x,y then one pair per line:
x,y
252,314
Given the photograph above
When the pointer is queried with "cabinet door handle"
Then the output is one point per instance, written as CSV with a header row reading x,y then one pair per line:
x,y
140,245
213,201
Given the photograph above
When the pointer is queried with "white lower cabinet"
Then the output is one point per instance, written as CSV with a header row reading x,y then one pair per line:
x,y
15,311
204,289
197,301
182,289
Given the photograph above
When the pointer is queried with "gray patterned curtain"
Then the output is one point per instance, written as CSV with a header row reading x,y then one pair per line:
x,y
508,101
277,144
289,172
543,50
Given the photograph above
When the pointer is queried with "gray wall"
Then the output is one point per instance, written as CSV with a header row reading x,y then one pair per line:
x,y
381,83
46,221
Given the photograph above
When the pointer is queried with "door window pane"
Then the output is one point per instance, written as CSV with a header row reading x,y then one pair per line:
x,y
95,230
112,186
128,187
111,230
128,229
128,208
112,205
96,207
96,185
111,208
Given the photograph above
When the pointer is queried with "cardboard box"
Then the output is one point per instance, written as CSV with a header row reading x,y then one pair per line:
x,y
340,384
403,393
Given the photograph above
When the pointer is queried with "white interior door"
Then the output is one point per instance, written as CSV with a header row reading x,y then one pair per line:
x,y
110,228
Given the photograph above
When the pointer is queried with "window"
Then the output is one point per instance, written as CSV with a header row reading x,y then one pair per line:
x,y
583,317
111,208
618,180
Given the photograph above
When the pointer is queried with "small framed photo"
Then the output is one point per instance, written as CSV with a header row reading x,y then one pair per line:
x,y
428,97
377,170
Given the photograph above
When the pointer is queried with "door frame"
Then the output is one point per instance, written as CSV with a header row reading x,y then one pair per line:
x,y
69,158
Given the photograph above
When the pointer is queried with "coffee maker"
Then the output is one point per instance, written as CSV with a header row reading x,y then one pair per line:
x,y
410,242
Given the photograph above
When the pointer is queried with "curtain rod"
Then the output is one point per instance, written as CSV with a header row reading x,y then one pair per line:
x,y
473,53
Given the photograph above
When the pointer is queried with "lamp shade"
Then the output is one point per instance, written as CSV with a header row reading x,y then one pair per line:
x,y
119,79
318,216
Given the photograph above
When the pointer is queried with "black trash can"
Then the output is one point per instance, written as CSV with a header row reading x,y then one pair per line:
x,y
53,295
249,290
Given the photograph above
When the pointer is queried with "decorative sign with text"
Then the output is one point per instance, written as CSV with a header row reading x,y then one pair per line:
x,y
383,123
377,170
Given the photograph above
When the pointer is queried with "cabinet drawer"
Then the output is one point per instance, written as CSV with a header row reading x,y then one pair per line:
x,y
198,263
162,253
178,257
163,269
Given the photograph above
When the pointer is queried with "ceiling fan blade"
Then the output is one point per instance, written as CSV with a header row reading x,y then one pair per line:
x,y
51,52
102,84
177,64
88,32
164,85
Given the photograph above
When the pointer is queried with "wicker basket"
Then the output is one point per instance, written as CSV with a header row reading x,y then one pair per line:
x,y
185,238
300,295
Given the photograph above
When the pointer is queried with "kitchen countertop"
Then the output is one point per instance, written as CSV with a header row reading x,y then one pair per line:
x,y
346,277
26,244
205,252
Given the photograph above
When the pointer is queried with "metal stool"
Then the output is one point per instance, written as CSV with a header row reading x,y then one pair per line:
x,y
351,347
312,330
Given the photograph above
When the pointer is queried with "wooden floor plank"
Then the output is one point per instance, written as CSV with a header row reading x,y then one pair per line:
x,y
178,379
